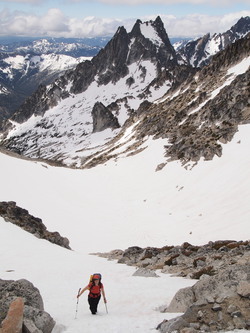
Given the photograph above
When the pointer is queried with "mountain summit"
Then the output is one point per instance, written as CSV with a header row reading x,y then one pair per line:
x,y
133,67
198,52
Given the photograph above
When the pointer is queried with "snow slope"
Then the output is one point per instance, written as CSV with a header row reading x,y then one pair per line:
x,y
67,128
45,62
117,205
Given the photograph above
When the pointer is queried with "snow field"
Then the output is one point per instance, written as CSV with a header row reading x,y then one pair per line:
x,y
59,273
120,204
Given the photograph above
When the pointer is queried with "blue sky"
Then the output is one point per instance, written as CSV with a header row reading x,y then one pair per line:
x,y
80,18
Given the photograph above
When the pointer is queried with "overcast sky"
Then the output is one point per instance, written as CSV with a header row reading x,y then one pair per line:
x,y
83,18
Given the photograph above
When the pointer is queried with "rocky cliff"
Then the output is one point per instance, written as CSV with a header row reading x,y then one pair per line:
x,y
135,84
198,52
132,67
21,217
219,300
196,117
22,73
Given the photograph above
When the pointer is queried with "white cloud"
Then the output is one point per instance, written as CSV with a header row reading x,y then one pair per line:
x,y
23,1
18,23
54,23
199,25
141,2
168,2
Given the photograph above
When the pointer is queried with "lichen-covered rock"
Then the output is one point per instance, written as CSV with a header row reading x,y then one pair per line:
x,y
10,290
21,304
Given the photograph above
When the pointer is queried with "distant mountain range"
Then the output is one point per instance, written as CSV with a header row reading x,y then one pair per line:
x,y
21,74
27,62
74,47
139,86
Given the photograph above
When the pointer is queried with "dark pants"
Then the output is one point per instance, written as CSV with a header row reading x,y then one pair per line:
x,y
93,303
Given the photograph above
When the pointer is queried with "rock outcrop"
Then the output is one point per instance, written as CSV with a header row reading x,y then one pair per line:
x,y
203,112
220,300
21,217
103,118
22,306
14,319
213,304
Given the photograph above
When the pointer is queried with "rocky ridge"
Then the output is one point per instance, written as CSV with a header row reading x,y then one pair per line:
x,y
34,225
22,74
198,52
194,110
196,117
132,67
109,65
218,301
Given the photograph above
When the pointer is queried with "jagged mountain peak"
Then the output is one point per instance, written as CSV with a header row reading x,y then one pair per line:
x,y
152,30
107,106
242,26
195,119
198,52
99,95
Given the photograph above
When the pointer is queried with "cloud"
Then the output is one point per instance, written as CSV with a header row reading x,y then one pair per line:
x,y
198,25
22,24
31,2
141,2
167,2
55,24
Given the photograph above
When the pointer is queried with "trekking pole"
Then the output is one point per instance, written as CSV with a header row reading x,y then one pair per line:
x,y
106,307
77,302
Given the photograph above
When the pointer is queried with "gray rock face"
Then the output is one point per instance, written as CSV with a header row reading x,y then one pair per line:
x,y
34,317
201,110
21,288
21,217
215,304
195,123
40,319
110,65
198,52
103,118
220,300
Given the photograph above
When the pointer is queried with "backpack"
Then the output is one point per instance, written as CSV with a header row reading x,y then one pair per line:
x,y
92,285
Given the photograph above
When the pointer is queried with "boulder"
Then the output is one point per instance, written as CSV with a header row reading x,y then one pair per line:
x,y
9,290
30,327
214,303
243,289
30,312
182,300
145,273
13,322
172,325
41,319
